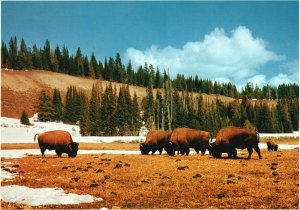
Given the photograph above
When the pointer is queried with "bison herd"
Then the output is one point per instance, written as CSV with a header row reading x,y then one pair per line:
x,y
228,139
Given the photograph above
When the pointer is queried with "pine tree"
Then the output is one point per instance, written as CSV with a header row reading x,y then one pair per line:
x,y
79,62
94,108
121,114
23,62
157,80
84,114
265,120
148,107
135,113
58,55
86,67
4,55
46,111
72,106
95,66
293,107
24,119
13,53
283,116
57,105
36,58
158,110
107,111
46,56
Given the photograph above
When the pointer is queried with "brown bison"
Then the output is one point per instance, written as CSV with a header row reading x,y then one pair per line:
x,y
156,140
272,146
229,138
58,140
183,139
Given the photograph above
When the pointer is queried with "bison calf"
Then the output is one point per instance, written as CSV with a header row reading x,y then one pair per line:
x,y
272,146
230,138
58,140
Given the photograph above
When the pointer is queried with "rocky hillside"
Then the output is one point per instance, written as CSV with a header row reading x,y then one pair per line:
x,y
20,89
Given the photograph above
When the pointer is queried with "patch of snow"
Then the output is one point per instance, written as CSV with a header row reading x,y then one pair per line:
x,y
5,175
43,196
12,131
295,134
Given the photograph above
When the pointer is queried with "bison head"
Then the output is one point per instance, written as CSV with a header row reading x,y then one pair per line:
x,y
171,148
73,149
215,150
144,149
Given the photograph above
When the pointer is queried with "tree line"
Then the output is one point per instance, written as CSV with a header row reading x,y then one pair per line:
x,y
112,69
105,113
111,111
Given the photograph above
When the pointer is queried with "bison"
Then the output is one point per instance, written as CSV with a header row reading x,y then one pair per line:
x,y
155,140
272,146
58,140
183,139
229,138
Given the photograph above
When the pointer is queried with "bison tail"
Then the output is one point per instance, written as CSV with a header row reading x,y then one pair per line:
x,y
35,136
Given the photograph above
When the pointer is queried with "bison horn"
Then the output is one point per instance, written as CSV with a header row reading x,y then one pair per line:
x,y
211,141
70,147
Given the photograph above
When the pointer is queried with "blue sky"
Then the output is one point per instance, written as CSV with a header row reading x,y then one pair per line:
x,y
226,41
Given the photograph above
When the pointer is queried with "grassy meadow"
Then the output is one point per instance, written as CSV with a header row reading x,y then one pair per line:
x,y
161,181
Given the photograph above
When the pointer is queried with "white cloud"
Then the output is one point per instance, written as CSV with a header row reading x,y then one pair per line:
x,y
280,79
258,79
235,57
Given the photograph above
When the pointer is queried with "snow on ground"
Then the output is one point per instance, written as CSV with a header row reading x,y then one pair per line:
x,y
39,196
5,175
43,196
12,131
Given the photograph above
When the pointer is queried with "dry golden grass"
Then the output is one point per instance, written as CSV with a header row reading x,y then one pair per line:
x,y
156,181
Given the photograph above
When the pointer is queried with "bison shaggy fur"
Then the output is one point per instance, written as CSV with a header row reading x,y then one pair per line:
x,y
58,140
272,146
156,141
183,139
229,138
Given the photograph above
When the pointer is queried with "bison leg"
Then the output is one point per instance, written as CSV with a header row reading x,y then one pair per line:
x,y
250,151
58,152
160,150
187,151
182,151
257,150
43,151
203,151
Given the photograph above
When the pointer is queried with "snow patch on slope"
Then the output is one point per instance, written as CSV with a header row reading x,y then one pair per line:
x,y
43,196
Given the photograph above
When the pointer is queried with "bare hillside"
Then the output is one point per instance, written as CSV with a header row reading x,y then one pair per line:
x,y
20,89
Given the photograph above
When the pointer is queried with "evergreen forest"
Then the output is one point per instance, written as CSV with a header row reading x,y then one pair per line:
x,y
178,102
61,60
